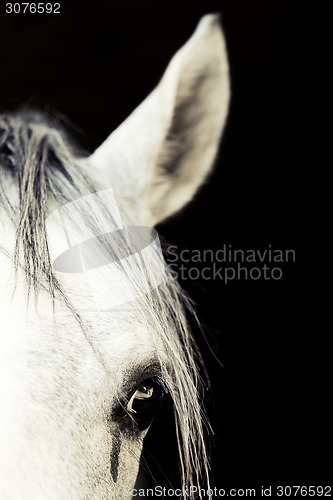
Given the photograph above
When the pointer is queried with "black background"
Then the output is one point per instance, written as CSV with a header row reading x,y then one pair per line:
x,y
94,64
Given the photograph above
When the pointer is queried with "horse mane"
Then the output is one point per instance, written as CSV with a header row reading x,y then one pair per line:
x,y
36,154
39,160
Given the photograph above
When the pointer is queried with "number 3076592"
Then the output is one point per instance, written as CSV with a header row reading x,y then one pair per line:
x,y
32,8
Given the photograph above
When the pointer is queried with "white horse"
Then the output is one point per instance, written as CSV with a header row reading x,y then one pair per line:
x,y
80,382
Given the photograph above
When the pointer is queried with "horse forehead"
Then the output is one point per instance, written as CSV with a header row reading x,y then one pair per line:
x,y
38,325
36,330
38,333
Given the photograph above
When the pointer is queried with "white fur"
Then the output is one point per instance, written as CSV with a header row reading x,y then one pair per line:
x,y
59,381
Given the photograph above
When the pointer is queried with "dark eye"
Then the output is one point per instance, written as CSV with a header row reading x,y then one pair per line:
x,y
145,402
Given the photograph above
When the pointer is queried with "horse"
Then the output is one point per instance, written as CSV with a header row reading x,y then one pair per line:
x,y
93,325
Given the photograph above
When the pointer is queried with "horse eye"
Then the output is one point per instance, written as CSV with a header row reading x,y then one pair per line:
x,y
145,402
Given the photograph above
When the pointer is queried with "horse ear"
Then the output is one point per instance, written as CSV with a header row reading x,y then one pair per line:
x,y
164,150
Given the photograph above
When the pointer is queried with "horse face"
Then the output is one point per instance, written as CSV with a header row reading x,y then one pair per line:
x,y
66,425
79,385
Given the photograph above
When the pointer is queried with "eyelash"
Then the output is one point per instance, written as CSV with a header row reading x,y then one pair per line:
x,y
140,417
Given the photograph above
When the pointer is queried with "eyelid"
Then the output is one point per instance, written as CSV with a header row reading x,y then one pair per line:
x,y
155,377
134,377
132,382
